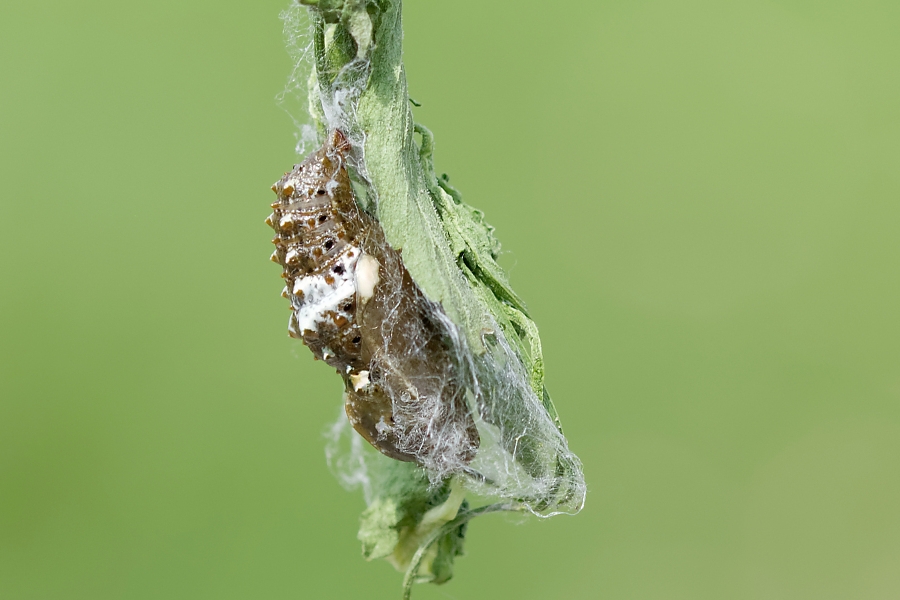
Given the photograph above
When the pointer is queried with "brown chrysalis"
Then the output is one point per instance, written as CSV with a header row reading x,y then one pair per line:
x,y
357,308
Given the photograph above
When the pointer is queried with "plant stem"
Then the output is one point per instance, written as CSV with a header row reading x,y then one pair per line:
x,y
437,534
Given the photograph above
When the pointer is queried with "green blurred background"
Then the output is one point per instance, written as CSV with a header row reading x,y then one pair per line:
x,y
699,201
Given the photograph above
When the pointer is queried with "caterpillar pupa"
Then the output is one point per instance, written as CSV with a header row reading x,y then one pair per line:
x,y
358,309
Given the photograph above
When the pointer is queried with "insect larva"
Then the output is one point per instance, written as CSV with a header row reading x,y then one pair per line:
x,y
357,308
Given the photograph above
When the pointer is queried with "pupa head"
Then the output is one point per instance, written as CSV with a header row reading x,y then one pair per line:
x,y
317,174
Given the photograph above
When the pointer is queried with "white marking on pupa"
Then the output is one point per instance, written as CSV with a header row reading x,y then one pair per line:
x,y
313,297
381,427
367,276
359,380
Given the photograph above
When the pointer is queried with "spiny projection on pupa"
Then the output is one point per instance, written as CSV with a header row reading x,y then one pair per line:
x,y
357,308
